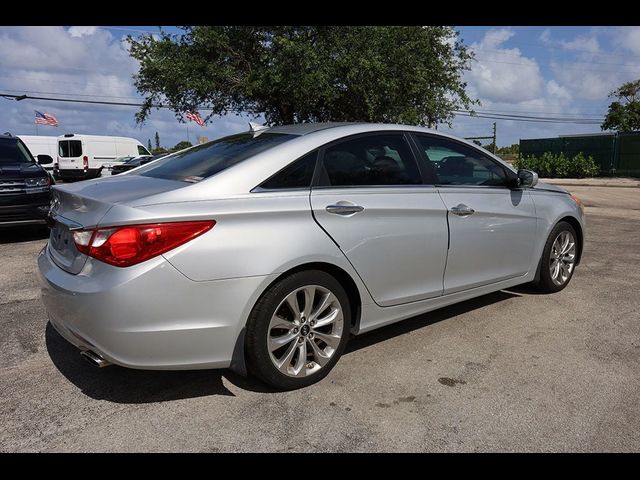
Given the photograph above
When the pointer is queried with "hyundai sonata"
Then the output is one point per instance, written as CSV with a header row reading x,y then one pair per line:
x,y
263,251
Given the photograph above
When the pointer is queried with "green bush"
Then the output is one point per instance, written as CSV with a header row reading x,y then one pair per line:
x,y
550,165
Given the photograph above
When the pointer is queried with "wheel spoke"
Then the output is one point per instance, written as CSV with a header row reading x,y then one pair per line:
x,y
292,301
567,248
330,318
279,322
283,363
325,301
309,295
319,356
279,342
300,368
329,339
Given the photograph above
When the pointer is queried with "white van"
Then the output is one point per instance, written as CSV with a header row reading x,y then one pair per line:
x,y
89,156
41,145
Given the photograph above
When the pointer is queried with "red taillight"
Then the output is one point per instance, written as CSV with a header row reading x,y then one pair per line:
x,y
85,162
127,245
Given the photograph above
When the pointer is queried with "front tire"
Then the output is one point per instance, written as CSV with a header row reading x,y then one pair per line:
x,y
298,330
558,259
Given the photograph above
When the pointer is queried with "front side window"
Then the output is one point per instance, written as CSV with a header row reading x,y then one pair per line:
x,y
142,150
206,160
70,148
457,164
13,151
296,175
371,160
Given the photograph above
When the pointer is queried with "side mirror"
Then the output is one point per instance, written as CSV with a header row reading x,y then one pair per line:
x,y
527,178
44,159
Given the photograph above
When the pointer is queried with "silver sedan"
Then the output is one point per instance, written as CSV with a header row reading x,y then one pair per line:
x,y
263,251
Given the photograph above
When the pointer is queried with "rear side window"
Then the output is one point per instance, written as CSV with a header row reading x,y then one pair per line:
x,y
296,175
381,159
206,160
70,148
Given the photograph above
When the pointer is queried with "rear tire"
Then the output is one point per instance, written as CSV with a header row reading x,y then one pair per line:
x,y
298,330
558,259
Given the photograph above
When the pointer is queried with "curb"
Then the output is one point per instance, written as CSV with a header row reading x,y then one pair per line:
x,y
577,184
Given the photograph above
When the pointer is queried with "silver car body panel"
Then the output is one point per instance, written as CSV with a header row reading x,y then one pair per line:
x,y
405,252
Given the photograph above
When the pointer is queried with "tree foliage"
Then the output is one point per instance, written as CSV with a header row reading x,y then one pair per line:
x,y
297,74
157,140
624,114
182,145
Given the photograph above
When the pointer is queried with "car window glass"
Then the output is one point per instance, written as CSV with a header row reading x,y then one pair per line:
x,y
12,151
203,161
458,164
142,150
371,160
70,148
296,175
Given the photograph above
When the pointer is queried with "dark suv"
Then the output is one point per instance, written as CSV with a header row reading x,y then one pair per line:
x,y
25,186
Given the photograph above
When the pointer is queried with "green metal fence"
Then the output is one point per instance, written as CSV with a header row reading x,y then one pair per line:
x,y
617,155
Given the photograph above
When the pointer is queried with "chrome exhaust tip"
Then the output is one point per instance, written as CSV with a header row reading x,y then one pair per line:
x,y
94,359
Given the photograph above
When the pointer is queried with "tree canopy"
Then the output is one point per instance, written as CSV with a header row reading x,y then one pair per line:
x,y
398,74
624,114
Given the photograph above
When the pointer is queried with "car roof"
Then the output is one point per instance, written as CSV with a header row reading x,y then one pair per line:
x,y
306,128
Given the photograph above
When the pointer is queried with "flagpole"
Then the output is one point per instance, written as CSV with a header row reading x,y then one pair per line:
x,y
188,132
36,129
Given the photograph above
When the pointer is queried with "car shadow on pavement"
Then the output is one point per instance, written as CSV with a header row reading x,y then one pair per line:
x,y
23,234
124,385
424,320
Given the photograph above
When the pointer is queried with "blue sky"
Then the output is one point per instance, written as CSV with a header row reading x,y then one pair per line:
x,y
539,71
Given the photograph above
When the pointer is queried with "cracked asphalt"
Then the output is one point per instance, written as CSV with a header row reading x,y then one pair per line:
x,y
510,371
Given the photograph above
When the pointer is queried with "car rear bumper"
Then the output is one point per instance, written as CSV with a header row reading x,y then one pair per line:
x,y
149,316
78,173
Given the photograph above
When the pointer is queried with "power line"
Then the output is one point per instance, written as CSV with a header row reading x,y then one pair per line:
x,y
498,116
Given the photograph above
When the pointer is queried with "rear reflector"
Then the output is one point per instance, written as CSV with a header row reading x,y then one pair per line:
x,y
131,244
85,162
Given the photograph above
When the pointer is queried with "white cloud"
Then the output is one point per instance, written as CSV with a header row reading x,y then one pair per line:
x,y
587,43
80,31
503,74
627,38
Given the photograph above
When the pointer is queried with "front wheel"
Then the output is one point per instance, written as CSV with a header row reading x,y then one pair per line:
x,y
558,259
298,329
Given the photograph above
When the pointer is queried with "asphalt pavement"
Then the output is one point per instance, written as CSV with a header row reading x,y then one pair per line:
x,y
510,371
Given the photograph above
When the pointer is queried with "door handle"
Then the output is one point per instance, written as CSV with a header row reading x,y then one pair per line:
x,y
462,210
344,209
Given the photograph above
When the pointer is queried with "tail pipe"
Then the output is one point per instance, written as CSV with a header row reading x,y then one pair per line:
x,y
94,359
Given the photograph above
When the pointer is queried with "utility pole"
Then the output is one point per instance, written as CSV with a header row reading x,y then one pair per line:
x,y
495,145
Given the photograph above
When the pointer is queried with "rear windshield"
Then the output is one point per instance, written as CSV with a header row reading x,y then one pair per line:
x,y
206,160
12,151
70,148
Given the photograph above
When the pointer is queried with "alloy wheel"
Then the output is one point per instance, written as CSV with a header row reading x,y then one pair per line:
x,y
305,331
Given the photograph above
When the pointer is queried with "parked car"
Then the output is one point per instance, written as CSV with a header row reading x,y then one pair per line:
x,y
135,162
86,156
272,247
25,186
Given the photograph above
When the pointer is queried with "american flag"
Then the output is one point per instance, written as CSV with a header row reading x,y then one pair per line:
x,y
46,119
195,117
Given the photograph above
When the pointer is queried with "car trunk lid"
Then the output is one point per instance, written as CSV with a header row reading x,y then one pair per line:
x,y
82,205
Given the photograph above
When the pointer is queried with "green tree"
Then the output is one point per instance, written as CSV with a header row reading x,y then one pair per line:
x,y
624,113
513,149
149,144
296,74
157,141
182,145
